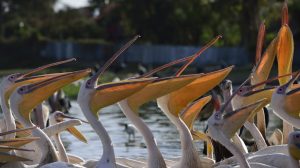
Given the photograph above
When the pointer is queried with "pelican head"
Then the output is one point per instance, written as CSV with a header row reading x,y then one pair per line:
x,y
294,144
231,121
226,85
26,97
286,89
286,98
250,94
96,97
59,116
11,82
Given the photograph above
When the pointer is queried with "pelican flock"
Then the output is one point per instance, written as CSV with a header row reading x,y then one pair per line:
x,y
182,98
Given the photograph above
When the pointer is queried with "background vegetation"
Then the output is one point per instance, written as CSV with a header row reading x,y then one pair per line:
x,y
160,22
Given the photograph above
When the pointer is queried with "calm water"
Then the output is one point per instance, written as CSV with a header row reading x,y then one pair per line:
x,y
113,119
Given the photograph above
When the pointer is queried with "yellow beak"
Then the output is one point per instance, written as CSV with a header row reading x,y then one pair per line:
x,y
158,88
34,94
192,111
235,120
285,52
18,142
262,71
291,98
24,79
111,93
179,99
75,132
27,80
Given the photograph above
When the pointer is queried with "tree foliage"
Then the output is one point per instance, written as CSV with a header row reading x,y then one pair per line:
x,y
180,22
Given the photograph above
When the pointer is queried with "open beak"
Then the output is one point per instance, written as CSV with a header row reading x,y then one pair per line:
x,y
8,148
17,131
262,71
254,94
190,114
285,52
5,157
36,93
291,100
96,76
180,98
26,78
158,88
72,130
18,142
111,93
289,85
234,120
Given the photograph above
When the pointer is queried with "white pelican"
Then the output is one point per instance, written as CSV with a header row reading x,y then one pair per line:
x,y
189,115
285,102
92,97
173,103
157,88
261,155
25,98
131,104
58,117
222,127
274,158
11,82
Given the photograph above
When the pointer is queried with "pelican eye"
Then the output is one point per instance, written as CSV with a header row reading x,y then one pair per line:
x,y
88,83
280,90
21,90
217,116
12,78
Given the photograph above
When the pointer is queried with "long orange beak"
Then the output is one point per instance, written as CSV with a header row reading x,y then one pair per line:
x,y
179,99
111,93
285,48
34,94
235,119
190,114
94,79
72,130
159,87
26,78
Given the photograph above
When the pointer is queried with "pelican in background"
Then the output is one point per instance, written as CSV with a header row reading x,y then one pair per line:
x,y
25,98
58,117
10,83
